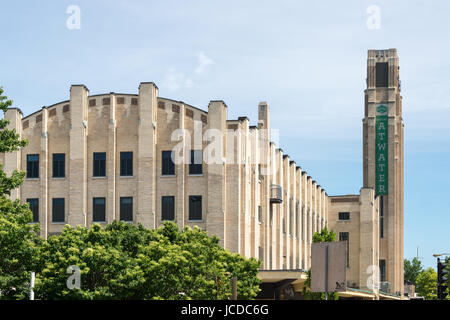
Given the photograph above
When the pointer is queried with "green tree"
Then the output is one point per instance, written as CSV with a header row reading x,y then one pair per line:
x,y
18,238
123,261
426,284
412,269
322,236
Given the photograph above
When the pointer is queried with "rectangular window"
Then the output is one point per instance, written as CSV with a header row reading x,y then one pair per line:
x,y
381,74
260,214
126,164
59,165
126,209
99,164
344,215
195,166
34,207
168,208
344,236
168,167
99,210
381,217
32,166
195,207
58,210
382,270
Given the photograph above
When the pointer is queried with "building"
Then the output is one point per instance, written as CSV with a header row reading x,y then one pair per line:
x,y
373,221
99,158
144,159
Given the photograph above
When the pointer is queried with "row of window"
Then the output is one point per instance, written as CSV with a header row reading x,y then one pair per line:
x,y
126,164
126,209
99,209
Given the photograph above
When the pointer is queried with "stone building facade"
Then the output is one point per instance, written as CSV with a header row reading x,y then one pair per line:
x,y
100,158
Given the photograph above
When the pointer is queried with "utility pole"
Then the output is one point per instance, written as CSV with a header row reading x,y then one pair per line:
x,y
32,286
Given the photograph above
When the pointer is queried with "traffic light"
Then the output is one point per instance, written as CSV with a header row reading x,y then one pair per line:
x,y
443,277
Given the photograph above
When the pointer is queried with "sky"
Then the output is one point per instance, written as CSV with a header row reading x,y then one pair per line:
x,y
307,59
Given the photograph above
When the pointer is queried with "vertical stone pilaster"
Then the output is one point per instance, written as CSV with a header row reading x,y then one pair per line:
x,y
77,206
111,162
181,177
146,157
44,159
216,202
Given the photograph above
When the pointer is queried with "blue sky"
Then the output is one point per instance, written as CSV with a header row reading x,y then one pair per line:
x,y
307,59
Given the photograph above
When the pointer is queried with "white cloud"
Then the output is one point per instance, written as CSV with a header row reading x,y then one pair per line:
x,y
175,80
203,63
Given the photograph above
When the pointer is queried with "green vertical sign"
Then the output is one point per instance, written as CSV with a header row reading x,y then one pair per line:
x,y
381,150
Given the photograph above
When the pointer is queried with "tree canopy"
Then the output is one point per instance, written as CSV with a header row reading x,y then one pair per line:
x,y
412,269
123,261
426,284
18,238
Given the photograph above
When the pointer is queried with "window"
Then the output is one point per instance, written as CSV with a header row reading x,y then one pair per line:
x,y
381,74
99,210
382,270
32,166
195,166
195,207
168,208
259,214
344,236
34,207
58,210
126,163
168,167
99,164
344,215
59,165
126,209
381,217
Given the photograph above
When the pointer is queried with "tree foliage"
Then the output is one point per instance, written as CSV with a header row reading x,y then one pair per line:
x,y
323,236
426,284
412,268
123,261
19,239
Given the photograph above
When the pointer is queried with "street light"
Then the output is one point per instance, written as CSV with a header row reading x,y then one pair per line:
x,y
440,254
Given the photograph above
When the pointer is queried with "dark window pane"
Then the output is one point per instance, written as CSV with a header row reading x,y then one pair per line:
x,y
59,167
168,167
33,166
195,207
344,215
126,209
126,163
195,166
344,236
168,208
58,210
99,209
382,270
34,207
259,214
99,164
381,74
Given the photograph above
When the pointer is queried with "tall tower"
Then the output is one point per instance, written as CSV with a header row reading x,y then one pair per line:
x,y
383,158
